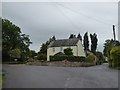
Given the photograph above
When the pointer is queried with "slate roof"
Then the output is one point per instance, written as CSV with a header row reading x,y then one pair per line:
x,y
64,42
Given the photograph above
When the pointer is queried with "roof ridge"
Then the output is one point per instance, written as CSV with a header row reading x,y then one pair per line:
x,y
66,39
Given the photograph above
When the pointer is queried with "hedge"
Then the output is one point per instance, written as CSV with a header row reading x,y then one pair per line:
x,y
114,56
68,58
90,58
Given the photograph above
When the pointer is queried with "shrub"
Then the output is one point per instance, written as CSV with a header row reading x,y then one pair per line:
x,y
42,56
114,56
67,57
90,58
30,60
15,53
100,58
68,51
59,53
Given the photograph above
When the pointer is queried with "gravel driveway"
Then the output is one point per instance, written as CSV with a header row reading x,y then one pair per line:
x,y
25,76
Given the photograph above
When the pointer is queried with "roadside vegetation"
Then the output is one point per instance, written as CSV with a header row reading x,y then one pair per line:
x,y
15,44
93,57
112,52
16,50
2,79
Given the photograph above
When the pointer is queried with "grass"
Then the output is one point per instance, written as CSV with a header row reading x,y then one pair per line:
x,y
117,68
2,78
0,81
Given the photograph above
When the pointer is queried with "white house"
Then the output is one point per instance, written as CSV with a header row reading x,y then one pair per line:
x,y
59,46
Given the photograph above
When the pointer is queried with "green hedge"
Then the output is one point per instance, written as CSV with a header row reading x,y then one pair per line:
x,y
90,58
114,56
68,57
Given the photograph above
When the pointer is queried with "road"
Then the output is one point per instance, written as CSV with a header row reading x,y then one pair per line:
x,y
24,76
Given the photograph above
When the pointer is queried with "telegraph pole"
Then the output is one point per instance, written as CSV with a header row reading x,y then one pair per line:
x,y
114,33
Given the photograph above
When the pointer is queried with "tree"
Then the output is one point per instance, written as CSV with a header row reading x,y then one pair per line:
x,y
68,51
53,38
10,32
15,53
86,41
72,36
79,37
42,56
108,46
44,46
94,41
100,57
32,53
13,38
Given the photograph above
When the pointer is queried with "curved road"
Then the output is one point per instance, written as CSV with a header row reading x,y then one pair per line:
x,y
24,76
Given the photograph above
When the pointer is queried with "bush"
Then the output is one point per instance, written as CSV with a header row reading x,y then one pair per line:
x,y
67,57
30,60
90,58
100,58
15,53
68,51
114,56
42,56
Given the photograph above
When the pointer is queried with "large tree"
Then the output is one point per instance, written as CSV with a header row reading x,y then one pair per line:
x,y
42,54
44,46
79,37
86,41
72,36
94,41
12,39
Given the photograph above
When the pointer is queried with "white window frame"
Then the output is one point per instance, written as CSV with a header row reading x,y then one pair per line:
x,y
53,49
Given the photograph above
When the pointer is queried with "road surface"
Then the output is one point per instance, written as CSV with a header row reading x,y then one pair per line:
x,y
24,76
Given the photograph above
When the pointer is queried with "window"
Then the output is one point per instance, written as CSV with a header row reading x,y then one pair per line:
x,y
61,48
53,49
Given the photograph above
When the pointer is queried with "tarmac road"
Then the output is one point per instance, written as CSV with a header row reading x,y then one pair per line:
x,y
24,76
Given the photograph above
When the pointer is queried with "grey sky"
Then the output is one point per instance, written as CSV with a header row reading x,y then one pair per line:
x,y
42,20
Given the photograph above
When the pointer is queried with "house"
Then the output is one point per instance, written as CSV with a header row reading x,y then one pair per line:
x,y
59,45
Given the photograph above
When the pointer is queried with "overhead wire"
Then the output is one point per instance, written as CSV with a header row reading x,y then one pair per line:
x,y
68,18
80,13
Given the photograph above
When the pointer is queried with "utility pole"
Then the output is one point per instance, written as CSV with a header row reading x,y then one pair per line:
x,y
114,32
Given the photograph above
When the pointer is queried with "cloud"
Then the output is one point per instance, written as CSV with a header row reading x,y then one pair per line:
x,y
42,20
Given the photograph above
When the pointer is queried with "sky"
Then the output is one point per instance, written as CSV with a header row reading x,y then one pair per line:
x,y
42,20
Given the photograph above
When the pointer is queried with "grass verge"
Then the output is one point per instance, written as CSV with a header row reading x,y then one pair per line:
x,y
2,79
